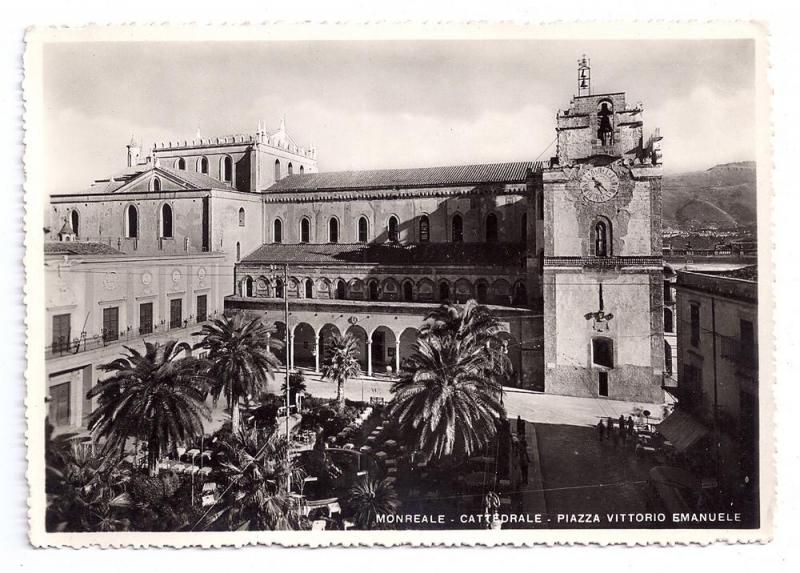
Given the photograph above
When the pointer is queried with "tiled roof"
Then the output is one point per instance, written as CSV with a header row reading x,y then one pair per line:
x,y
191,178
78,248
421,177
495,254
749,273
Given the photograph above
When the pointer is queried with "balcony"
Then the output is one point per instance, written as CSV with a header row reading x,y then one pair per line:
x,y
86,343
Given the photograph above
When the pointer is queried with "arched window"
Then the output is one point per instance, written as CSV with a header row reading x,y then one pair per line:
x,y
605,123
523,228
305,230
424,229
227,169
180,163
166,221
373,290
444,292
75,222
248,284
155,184
393,225
131,222
341,290
363,230
482,292
458,229
333,230
302,170
238,252
202,165
603,352
277,170
668,322
309,288
290,168
277,231
278,288
241,216
491,228
408,291
602,239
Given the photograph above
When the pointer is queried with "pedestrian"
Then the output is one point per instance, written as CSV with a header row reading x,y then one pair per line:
x,y
601,430
631,428
520,426
622,428
524,461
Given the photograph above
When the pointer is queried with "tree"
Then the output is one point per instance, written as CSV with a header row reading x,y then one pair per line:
x,y
341,363
297,384
449,396
157,396
239,350
84,491
258,470
370,498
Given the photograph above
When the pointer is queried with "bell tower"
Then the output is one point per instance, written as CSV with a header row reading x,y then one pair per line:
x,y
603,268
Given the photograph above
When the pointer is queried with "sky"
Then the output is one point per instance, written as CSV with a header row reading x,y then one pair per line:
x,y
372,105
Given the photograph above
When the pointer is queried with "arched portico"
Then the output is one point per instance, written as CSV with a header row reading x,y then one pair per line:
x,y
304,346
362,342
326,334
383,351
407,346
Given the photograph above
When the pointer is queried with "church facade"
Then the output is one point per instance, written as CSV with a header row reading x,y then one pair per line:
x,y
567,254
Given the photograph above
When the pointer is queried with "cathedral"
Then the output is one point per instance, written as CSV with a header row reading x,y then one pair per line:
x,y
567,253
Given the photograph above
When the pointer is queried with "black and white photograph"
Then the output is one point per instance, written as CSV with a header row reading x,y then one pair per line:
x,y
501,286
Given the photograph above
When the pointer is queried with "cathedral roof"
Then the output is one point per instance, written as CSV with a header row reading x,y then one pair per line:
x,y
497,254
189,179
78,248
419,177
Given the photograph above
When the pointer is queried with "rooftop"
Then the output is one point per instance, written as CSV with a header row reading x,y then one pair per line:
x,y
417,177
77,248
492,254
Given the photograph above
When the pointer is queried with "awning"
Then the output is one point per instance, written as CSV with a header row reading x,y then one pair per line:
x,y
682,430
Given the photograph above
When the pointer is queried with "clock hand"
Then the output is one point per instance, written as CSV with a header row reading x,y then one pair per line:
x,y
598,185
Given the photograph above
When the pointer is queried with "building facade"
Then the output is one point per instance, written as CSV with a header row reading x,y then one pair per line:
x,y
100,300
718,369
567,255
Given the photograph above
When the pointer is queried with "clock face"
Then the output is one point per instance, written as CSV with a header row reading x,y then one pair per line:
x,y
599,184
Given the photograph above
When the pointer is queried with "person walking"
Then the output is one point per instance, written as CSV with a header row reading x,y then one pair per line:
x,y
601,430
524,461
621,421
520,426
631,430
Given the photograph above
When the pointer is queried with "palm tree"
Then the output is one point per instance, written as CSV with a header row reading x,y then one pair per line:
x,y
449,396
297,384
341,363
84,490
258,470
239,350
156,396
370,498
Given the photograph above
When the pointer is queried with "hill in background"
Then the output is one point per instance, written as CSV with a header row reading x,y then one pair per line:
x,y
723,196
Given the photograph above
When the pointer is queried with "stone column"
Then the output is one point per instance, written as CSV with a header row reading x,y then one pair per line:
x,y
369,356
291,352
397,356
316,353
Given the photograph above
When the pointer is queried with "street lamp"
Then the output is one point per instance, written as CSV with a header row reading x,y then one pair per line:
x,y
273,270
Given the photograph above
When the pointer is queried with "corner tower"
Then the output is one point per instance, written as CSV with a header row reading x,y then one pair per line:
x,y
602,268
